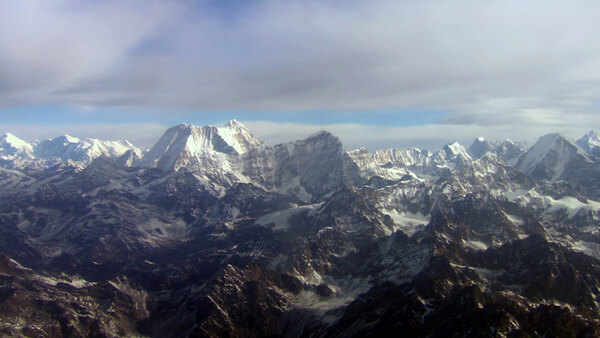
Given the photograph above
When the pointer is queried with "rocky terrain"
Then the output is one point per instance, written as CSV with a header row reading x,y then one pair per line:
x,y
215,233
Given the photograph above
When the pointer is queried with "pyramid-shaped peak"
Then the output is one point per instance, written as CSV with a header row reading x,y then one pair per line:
x,y
455,148
550,141
551,136
549,156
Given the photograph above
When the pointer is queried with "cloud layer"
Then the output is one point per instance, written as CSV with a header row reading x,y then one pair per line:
x,y
533,63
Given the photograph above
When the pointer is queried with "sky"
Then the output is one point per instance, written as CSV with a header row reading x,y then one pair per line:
x,y
375,73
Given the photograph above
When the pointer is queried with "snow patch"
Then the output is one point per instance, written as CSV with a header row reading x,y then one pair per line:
x,y
516,220
475,245
406,221
279,220
570,204
513,195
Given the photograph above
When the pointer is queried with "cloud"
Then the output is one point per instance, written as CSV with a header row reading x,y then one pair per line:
x,y
48,46
487,62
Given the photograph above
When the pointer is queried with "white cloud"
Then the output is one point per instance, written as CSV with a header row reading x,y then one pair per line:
x,y
488,63
49,46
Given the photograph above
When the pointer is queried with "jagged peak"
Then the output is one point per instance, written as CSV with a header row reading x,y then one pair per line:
x,y
186,141
322,133
233,123
589,141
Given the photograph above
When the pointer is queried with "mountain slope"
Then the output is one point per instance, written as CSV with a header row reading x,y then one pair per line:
x,y
220,234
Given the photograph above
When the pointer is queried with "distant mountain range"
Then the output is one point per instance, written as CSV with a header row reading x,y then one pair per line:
x,y
18,154
213,232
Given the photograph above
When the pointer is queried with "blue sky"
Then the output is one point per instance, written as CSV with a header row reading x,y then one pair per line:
x,y
379,73
63,114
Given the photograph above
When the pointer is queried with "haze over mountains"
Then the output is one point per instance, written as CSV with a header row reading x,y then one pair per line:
x,y
214,232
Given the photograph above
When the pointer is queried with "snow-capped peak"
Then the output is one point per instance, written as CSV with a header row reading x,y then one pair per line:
x,y
68,139
236,135
64,140
67,147
17,153
181,143
453,151
9,142
589,141
234,124
456,148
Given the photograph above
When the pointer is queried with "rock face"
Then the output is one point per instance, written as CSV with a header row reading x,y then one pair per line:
x,y
215,233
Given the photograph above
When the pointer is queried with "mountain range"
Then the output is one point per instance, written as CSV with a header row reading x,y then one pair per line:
x,y
213,232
